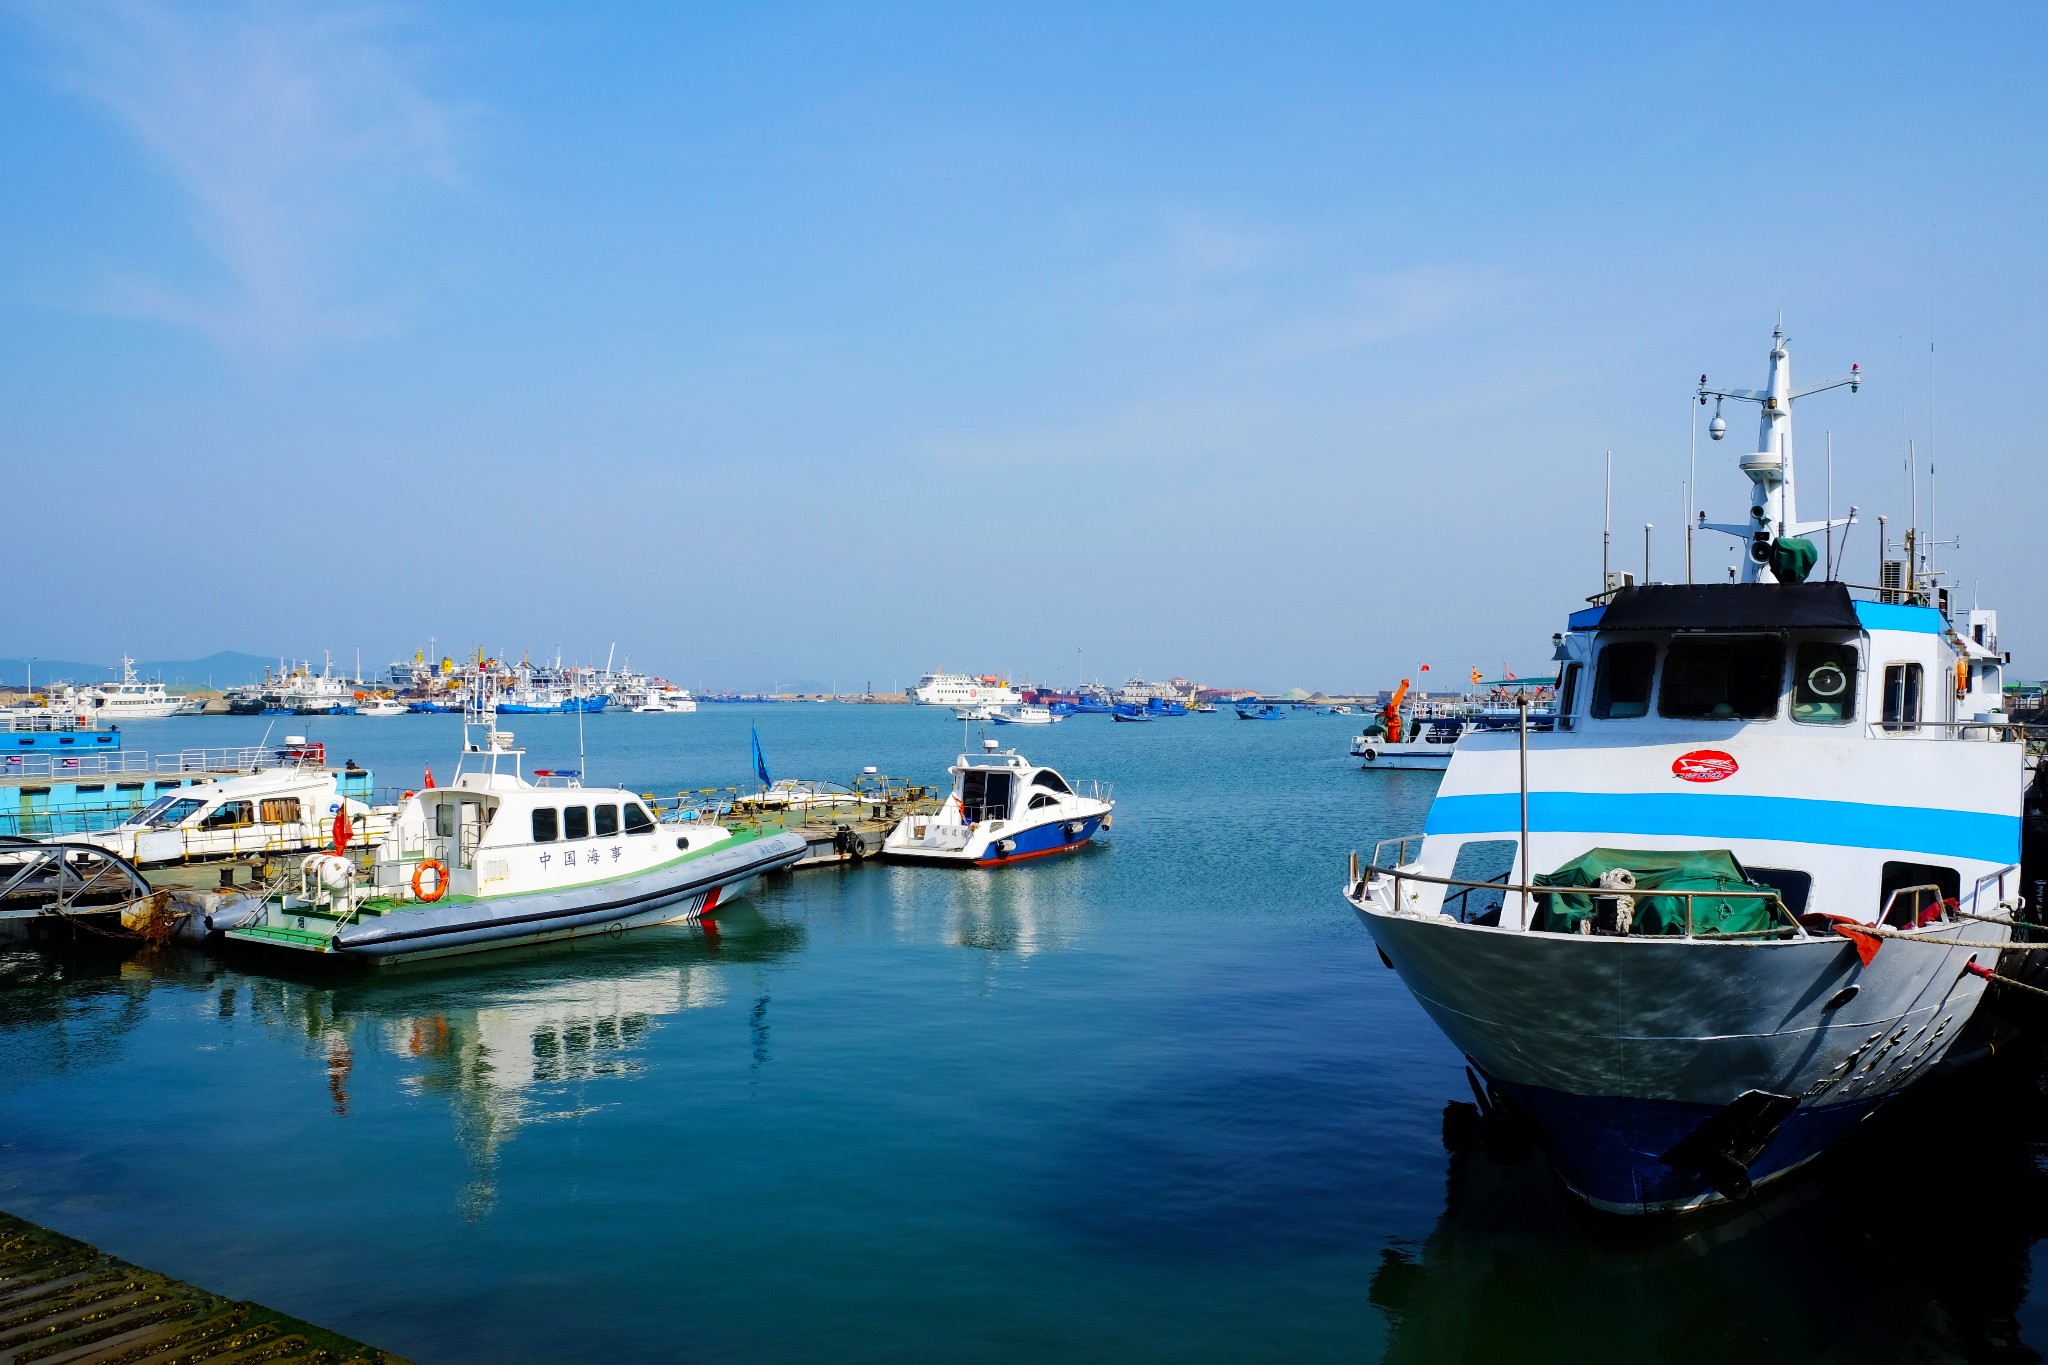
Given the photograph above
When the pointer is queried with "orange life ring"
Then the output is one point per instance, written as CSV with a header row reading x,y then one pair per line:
x,y
440,880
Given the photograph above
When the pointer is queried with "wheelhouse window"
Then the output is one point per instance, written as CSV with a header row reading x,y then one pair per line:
x,y
576,822
1909,894
1722,678
1049,780
545,830
607,821
169,811
230,815
1621,681
1567,695
636,819
1824,683
1902,696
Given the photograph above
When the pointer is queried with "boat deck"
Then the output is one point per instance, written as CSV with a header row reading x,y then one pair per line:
x,y
61,1300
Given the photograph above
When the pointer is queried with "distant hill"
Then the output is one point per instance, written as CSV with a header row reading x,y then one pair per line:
x,y
224,669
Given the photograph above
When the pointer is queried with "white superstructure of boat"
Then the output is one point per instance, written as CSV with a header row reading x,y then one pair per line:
x,y
961,690
1750,886
285,808
660,700
1002,809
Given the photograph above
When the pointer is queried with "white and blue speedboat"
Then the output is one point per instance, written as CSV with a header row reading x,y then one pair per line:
x,y
1749,886
1002,809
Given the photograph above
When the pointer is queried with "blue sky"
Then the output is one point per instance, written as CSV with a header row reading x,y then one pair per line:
x,y
1273,345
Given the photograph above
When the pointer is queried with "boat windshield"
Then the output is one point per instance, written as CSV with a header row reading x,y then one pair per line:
x,y
1727,678
169,811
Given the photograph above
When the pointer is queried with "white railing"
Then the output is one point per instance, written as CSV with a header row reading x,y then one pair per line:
x,y
245,759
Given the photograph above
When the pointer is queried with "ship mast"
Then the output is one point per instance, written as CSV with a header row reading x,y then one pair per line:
x,y
1773,503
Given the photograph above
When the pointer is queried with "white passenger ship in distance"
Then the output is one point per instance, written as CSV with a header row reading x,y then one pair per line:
x,y
959,689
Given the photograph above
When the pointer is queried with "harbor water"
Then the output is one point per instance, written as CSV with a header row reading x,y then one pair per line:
x,y
1157,1100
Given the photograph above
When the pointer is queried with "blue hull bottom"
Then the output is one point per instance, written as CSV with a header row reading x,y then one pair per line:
x,y
1043,840
1609,1149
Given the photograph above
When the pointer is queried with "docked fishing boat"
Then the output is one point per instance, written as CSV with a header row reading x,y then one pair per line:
x,y
1751,885
1002,809
1409,738
1261,711
1026,714
495,860
1131,712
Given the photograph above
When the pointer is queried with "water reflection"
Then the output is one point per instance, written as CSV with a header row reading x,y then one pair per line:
x,y
80,1009
1912,1243
523,1038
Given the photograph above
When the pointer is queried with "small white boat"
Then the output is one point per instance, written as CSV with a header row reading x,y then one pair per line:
x,y
661,701
382,706
975,712
283,809
1002,809
1027,714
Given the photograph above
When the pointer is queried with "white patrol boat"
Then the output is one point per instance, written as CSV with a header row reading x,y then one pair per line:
x,y
493,861
1002,809
1749,887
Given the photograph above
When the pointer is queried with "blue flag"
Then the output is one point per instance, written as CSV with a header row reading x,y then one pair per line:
x,y
760,760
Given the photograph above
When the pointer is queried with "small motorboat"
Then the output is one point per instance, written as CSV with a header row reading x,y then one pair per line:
x,y
1262,711
1131,712
1003,809
382,706
1026,715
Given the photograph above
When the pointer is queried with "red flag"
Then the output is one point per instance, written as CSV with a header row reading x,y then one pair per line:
x,y
428,785
343,831
1425,668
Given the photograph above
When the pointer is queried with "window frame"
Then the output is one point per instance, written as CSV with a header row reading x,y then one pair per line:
x,y
553,825
1913,672
1734,639
572,816
1601,707
1856,679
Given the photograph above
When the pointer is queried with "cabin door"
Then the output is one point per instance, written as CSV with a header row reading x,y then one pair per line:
x,y
472,833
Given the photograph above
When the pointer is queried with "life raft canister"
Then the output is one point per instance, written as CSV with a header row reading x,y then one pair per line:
x,y
440,871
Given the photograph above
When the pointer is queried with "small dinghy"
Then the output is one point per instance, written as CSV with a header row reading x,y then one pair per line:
x,y
1003,809
1126,711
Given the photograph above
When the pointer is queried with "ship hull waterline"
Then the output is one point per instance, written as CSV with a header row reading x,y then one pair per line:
x,y
676,893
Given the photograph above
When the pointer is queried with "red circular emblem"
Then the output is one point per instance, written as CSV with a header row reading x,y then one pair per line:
x,y
1703,765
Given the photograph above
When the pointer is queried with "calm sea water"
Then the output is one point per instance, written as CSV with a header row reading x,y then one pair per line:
x,y
1156,1101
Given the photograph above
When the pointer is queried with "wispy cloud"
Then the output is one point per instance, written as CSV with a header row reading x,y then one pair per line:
x,y
287,128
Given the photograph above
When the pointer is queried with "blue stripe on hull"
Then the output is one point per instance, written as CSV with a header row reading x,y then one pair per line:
x,y
1044,839
1609,1149
1849,824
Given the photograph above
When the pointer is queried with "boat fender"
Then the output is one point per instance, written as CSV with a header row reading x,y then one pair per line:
x,y
1369,754
440,871
1005,847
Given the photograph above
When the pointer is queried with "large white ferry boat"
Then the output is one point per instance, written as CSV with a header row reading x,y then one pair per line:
x,y
959,689
1751,886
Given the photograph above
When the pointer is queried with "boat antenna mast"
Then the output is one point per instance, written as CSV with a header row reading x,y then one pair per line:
x,y
1773,506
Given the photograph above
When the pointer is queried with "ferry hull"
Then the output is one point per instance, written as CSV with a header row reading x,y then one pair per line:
x,y
1623,1051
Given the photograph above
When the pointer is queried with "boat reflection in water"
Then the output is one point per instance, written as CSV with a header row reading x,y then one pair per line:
x,y
1871,1256
534,1036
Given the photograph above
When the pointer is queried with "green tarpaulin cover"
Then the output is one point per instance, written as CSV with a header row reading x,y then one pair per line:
x,y
1704,870
1792,559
